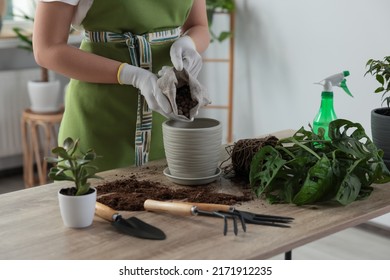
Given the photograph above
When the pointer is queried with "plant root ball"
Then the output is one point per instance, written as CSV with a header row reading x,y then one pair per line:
x,y
242,152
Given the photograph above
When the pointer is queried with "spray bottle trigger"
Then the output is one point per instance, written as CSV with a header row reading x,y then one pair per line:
x,y
343,85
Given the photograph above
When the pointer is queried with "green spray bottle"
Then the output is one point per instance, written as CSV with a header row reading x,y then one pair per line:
x,y
326,114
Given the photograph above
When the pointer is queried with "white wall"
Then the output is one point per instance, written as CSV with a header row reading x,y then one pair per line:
x,y
283,47
21,7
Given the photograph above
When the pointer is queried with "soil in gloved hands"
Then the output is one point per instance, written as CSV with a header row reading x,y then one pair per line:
x,y
184,101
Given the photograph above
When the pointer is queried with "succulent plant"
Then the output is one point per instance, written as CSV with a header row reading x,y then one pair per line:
x,y
73,165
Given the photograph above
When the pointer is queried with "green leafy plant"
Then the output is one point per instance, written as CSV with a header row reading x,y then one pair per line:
x,y
306,168
219,6
73,165
380,69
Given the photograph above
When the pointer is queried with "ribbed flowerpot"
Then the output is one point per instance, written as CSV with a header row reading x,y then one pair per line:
x,y
77,211
192,148
380,129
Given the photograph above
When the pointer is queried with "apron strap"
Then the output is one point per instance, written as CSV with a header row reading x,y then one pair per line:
x,y
141,56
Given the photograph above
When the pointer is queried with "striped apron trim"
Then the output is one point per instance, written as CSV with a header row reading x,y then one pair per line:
x,y
141,56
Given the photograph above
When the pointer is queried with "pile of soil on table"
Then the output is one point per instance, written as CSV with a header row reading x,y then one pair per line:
x,y
130,194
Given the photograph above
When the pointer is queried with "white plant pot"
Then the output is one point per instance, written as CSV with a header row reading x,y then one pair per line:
x,y
44,96
77,211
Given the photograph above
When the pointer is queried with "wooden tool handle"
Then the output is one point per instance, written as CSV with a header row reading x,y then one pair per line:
x,y
105,212
209,206
180,209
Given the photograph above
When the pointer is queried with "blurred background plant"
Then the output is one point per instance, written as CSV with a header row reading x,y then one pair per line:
x,y
380,69
215,7
25,36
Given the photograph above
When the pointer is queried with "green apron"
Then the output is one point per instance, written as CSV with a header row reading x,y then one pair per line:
x,y
104,116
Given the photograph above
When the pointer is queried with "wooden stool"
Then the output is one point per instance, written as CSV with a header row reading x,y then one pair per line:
x,y
34,150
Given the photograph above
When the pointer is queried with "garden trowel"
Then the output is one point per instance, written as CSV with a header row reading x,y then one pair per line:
x,y
131,226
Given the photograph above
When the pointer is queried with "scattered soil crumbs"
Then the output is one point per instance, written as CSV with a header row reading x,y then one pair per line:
x,y
130,194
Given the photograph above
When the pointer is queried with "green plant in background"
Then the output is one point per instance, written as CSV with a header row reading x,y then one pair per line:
x,y
380,69
26,40
73,165
23,35
307,169
217,6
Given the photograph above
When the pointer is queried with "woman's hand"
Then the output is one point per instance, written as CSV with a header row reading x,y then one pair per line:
x,y
185,52
146,82
184,55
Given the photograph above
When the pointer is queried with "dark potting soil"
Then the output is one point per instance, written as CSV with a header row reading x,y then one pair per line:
x,y
184,101
72,191
130,194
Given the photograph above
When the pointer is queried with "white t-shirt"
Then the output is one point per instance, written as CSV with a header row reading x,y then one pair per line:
x,y
82,8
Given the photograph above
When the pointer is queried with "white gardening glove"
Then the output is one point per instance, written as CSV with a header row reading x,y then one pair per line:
x,y
170,81
184,55
146,82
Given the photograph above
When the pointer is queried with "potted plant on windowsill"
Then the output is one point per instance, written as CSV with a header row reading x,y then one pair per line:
x,y
77,203
380,117
44,93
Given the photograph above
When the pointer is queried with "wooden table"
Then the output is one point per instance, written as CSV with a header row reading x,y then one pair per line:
x,y
31,227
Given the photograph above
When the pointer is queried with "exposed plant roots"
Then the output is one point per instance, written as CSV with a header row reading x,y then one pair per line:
x,y
241,154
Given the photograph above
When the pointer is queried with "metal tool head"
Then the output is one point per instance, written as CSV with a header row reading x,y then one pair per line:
x,y
224,216
261,219
137,228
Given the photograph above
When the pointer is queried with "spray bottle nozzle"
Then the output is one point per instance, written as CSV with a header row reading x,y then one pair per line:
x,y
336,80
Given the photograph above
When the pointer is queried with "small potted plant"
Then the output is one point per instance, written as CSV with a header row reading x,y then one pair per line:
x,y
77,203
380,117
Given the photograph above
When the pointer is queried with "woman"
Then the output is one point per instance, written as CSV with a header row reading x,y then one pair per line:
x,y
113,103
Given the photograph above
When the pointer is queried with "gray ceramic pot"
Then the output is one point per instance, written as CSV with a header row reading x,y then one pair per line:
x,y
192,148
380,129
